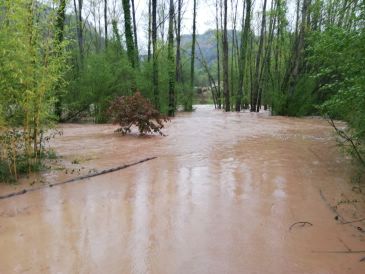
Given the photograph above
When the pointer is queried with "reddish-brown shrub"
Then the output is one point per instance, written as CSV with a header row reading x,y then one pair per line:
x,y
136,110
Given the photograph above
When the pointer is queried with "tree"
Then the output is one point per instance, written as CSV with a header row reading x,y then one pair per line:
x,y
106,22
171,60
296,64
59,28
154,56
79,30
136,110
178,43
189,99
219,102
135,34
243,53
149,31
33,63
256,84
227,105
128,33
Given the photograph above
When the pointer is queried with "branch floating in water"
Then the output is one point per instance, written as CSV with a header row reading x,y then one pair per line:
x,y
302,224
21,192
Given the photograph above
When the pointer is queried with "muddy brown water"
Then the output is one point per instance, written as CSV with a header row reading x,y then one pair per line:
x,y
220,198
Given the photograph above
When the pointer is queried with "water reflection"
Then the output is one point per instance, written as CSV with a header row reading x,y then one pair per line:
x,y
218,199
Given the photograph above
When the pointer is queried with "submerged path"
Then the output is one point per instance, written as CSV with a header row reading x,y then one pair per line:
x,y
223,196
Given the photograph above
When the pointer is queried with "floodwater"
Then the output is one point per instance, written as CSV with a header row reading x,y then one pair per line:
x,y
220,197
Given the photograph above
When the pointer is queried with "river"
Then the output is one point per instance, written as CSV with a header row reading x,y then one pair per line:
x,y
222,196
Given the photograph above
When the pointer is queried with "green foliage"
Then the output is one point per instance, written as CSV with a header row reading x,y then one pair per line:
x,y
339,58
105,76
15,158
301,102
31,67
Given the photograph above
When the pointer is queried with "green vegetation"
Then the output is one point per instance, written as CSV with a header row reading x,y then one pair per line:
x,y
58,63
32,65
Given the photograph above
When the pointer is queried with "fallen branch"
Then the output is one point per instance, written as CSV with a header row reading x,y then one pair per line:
x,y
21,192
332,208
340,251
302,224
355,221
348,139
315,154
338,216
345,245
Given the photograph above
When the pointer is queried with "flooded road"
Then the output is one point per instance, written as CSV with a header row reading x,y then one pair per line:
x,y
220,198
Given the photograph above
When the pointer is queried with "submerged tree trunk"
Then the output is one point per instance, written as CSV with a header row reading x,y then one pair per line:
x,y
227,105
178,43
60,26
296,64
154,56
256,83
243,54
265,73
234,47
219,102
171,60
189,99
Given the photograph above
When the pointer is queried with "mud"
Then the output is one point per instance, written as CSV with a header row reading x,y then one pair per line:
x,y
220,198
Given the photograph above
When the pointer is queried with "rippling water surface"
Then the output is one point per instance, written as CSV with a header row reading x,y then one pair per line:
x,y
220,198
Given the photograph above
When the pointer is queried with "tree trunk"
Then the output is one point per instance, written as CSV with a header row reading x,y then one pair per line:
x,y
265,73
128,33
297,56
106,23
60,21
60,26
189,99
178,43
219,102
79,30
135,35
116,36
243,54
256,84
171,60
154,56
149,31
227,105
234,47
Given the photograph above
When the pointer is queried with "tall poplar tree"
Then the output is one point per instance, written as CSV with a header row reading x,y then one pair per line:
x,y
227,105
156,93
128,33
171,61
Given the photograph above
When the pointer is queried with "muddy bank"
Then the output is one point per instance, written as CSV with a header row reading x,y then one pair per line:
x,y
220,198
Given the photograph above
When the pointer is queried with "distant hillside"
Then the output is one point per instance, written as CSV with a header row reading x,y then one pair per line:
x,y
207,43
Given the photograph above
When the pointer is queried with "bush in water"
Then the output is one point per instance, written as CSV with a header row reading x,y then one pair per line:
x,y
136,110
